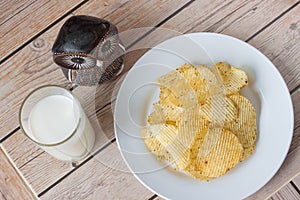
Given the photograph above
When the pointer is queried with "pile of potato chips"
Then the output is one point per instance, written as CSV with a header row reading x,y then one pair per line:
x,y
201,124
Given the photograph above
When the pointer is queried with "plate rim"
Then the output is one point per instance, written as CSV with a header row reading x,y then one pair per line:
x,y
281,79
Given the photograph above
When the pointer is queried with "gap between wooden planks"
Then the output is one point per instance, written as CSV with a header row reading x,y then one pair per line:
x,y
33,66
41,73
296,181
286,193
112,164
19,25
12,185
260,194
179,26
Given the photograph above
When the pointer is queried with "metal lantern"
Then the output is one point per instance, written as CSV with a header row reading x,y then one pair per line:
x,y
89,50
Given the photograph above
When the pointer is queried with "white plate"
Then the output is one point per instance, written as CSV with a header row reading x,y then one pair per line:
x,y
267,91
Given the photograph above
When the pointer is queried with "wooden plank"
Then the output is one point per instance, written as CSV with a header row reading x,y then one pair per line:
x,y
280,43
12,185
28,168
26,70
18,20
55,168
156,11
39,162
291,165
33,66
245,17
242,19
18,142
287,192
104,177
296,181
288,170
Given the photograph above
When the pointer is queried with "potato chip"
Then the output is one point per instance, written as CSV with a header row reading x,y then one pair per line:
x,y
200,123
219,109
195,174
157,116
212,83
195,80
233,79
166,97
192,129
164,114
183,92
244,126
171,112
190,124
154,145
222,157
166,135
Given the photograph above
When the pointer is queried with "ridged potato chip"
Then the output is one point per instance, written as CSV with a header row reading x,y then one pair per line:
x,y
195,80
244,126
164,113
183,92
233,79
166,134
212,84
219,109
157,116
201,124
171,112
154,146
188,126
166,97
195,174
222,156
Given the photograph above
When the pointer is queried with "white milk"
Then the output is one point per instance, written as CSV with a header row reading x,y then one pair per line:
x,y
54,119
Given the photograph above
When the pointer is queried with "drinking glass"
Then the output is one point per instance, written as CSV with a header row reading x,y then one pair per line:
x,y
53,118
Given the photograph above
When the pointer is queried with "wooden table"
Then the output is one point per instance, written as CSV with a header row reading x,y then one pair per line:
x,y
28,29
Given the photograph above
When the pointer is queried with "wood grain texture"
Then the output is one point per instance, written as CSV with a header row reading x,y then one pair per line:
x,y
29,68
280,43
34,170
42,170
296,181
291,165
209,14
240,19
287,192
104,177
36,160
12,185
33,65
35,163
18,21
26,70
14,148
286,173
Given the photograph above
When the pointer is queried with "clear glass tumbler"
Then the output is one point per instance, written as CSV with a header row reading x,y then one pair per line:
x,y
53,118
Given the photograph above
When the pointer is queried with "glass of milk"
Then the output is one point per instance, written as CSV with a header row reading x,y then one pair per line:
x,y
53,118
